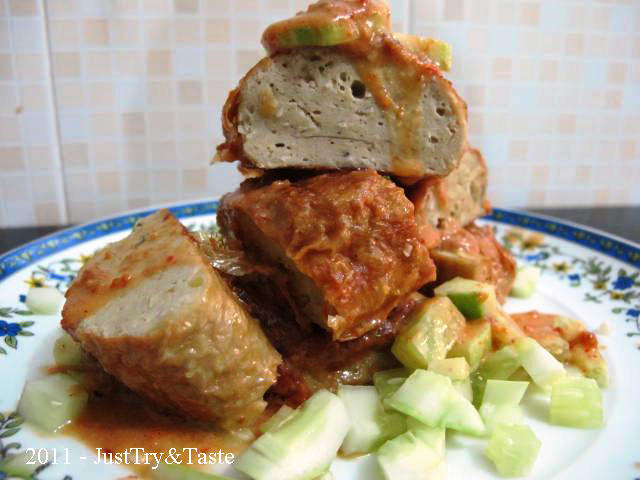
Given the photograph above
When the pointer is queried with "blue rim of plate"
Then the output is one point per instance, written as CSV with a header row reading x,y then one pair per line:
x,y
36,250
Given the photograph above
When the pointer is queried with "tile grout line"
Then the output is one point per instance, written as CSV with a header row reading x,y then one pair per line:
x,y
58,174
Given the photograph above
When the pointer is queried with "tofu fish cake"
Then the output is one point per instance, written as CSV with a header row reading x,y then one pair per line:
x,y
156,315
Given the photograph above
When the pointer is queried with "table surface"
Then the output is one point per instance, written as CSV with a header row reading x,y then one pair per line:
x,y
621,221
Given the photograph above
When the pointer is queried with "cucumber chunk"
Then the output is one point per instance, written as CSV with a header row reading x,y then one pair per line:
x,y
526,281
432,399
473,343
464,387
17,466
178,472
44,300
576,402
283,414
591,363
53,401
501,401
455,368
301,448
513,449
504,329
371,425
67,352
387,382
431,329
501,364
414,455
437,51
542,367
473,299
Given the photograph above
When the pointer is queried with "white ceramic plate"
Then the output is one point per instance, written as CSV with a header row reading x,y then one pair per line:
x,y
586,274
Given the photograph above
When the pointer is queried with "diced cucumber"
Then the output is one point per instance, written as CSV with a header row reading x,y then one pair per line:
x,y
283,414
501,364
53,401
301,448
431,399
541,366
464,387
371,425
504,330
387,382
17,466
473,343
67,352
44,300
412,455
501,401
178,472
473,299
450,265
576,402
455,368
513,449
437,51
431,329
591,363
526,281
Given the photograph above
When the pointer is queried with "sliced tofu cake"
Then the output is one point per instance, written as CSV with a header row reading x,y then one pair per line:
x,y
455,200
345,245
321,108
156,315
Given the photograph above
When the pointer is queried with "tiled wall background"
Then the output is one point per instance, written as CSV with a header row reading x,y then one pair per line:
x,y
107,105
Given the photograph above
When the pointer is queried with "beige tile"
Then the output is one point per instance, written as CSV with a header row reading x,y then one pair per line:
x,y
98,64
137,183
6,67
105,125
583,174
161,93
536,198
191,123
186,6
454,10
138,203
104,156
576,16
81,211
612,99
478,12
163,155
40,158
530,13
96,31
251,5
43,188
134,155
599,17
125,32
190,92
9,102
187,31
62,8
133,124
9,129
500,96
518,149
11,159
161,124
217,30
63,33
15,189
574,44
20,8
101,95
248,32
130,63
123,7
628,150
476,123
192,153
158,33
524,69
220,7
66,64
75,156
79,186
194,180
548,70
540,175
505,11
159,62
164,182
566,123
246,59
217,91
478,39
617,72
108,182
29,67
47,213
570,72
5,36
219,63
34,98
69,95
501,68
156,6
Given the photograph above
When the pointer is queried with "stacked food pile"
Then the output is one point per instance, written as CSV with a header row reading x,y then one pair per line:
x,y
348,261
